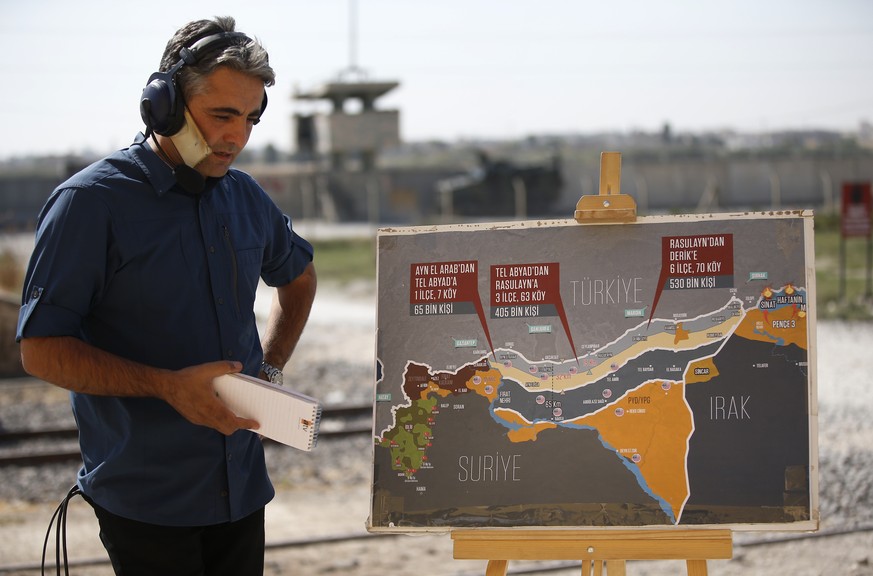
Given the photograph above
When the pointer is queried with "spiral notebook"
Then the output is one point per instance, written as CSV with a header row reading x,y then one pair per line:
x,y
285,416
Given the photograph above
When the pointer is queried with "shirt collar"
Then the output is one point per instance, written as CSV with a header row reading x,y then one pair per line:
x,y
159,174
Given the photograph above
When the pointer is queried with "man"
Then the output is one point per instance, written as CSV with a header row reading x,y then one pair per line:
x,y
140,292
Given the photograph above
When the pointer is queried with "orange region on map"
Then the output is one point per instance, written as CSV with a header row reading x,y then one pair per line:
x,y
702,370
786,324
520,428
433,387
681,334
485,384
652,433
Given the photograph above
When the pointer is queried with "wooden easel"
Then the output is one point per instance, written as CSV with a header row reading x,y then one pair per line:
x,y
597,549
610,205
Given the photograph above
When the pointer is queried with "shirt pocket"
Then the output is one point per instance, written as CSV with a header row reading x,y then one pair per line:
x,y
249,268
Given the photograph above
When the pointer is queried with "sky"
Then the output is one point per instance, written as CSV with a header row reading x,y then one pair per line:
x,y
467,69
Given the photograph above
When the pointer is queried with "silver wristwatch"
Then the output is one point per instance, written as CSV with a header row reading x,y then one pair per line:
x,y
273,374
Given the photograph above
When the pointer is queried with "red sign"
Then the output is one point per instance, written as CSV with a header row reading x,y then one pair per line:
x,y
856,210
435,288
695,262
528,290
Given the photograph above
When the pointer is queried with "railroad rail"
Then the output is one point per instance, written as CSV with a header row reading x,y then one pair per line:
x,y
336,422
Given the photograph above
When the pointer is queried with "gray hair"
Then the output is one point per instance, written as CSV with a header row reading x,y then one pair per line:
x,y
247,56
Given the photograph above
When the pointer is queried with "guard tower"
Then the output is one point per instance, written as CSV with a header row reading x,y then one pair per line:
x,y
342,135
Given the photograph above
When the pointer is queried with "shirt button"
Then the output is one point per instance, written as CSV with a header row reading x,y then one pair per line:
x,y
212,249
229,457
224,493
220,300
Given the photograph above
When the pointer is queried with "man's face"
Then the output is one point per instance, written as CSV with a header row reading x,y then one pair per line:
x,y
225,112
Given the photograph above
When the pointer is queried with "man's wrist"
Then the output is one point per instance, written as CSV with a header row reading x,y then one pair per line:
x,y
273,374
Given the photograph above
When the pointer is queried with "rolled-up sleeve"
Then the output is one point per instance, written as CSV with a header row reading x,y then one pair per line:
x,y
67,267
287,253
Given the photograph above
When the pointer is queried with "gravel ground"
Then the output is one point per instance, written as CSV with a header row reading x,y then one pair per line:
x,y
326,491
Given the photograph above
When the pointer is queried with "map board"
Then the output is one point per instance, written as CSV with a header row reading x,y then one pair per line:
x,y
556,374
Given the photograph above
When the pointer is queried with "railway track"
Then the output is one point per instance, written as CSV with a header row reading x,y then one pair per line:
x,y
35,447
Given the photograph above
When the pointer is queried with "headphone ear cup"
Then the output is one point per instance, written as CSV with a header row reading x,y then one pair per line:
x,y
161,105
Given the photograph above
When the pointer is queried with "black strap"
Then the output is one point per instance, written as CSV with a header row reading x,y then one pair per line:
x,y
60,533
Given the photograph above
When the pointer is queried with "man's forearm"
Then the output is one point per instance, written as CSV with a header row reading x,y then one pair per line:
x,y
288,316
73,364
77,366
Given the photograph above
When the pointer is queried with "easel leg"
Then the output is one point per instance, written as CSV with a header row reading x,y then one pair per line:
x,y
586,568
613,567
696,567
496,568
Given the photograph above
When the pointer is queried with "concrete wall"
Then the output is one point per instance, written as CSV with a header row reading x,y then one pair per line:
x,y
409,196
726,183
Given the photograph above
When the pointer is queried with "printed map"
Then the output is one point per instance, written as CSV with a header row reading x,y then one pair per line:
x,y
558,374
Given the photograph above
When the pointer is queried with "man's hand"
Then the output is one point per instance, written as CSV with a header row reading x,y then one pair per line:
x,y
191,393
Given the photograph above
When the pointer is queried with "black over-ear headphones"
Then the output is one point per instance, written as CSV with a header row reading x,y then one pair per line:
x,y
162,105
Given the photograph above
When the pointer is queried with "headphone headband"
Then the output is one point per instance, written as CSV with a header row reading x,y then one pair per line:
x,y
192,55
162,105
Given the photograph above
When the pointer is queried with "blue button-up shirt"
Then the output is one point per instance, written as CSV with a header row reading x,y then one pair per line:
x,y
128,262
